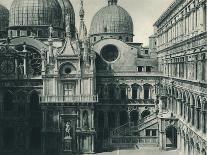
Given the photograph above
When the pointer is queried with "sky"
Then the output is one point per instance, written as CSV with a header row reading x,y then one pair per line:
x,y
144,13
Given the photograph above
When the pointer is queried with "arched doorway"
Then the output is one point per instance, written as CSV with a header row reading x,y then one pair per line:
x,y
145,113
171,137
204,152
134,117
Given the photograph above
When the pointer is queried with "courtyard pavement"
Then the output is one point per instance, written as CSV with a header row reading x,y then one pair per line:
x,y
150,151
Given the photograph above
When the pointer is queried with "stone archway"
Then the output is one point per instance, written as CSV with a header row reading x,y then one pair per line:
x,y
171,137
134,117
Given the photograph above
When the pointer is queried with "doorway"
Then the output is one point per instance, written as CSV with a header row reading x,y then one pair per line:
x,y
171,137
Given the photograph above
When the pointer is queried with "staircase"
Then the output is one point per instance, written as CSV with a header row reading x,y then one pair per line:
x,y
123,136
122,130
145,123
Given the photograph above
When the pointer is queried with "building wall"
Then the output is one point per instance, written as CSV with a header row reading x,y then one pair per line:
x,y
181,49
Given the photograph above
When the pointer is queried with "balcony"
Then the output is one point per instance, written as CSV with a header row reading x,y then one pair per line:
x,y
126,101
69,99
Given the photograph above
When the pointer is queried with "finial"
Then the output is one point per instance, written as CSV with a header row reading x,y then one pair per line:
x,y
82,12
68,27
112,2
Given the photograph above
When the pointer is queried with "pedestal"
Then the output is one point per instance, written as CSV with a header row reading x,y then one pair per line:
x,y
67,146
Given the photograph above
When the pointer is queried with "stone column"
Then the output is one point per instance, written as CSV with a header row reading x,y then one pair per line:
x,y
178,141
187,147
43,141
192,115
25,66
201,20
92,118
183,146
203,122
162,140
178,106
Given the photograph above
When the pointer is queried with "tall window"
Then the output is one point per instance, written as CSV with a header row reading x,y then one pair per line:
x,y
34,102
140,68
69,89
148,68
134,93
147,91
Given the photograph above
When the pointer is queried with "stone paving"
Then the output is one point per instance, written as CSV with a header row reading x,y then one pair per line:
x,y
141,152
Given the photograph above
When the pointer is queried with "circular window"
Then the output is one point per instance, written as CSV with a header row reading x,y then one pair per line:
x,y
67,70
109,53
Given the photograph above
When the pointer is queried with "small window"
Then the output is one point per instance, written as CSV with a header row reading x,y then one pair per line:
x,y
28,33
147,132
148,69
120,37
140,68
127,39
94,39
146,52
18,33
105,29
154,132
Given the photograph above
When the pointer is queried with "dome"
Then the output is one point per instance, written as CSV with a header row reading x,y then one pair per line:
x,y
112,19
4,18
35,13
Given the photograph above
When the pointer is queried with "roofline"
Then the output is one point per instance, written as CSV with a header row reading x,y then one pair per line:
x,y
174,4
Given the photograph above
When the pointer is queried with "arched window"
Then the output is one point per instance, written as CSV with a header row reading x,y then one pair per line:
x,y
34,102
193,111
198,113
135,91
123,88
8,101
147,88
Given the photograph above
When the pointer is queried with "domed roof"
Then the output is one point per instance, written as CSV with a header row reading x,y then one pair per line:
x,y
112,19
35,13
4,18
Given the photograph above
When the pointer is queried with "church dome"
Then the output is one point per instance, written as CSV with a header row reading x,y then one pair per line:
x,y
112,19
4,18
35,13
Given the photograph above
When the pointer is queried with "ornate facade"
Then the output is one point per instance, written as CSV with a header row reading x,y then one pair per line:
x,y
64,91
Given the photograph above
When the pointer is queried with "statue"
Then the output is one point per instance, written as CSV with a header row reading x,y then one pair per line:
x,y
21,69
85,120
68,130
50,31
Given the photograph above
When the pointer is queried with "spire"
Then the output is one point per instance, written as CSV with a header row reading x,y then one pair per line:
x,y
83,29
112,2
82,12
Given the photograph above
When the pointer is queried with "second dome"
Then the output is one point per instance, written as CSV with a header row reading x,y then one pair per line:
x,y
112,20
